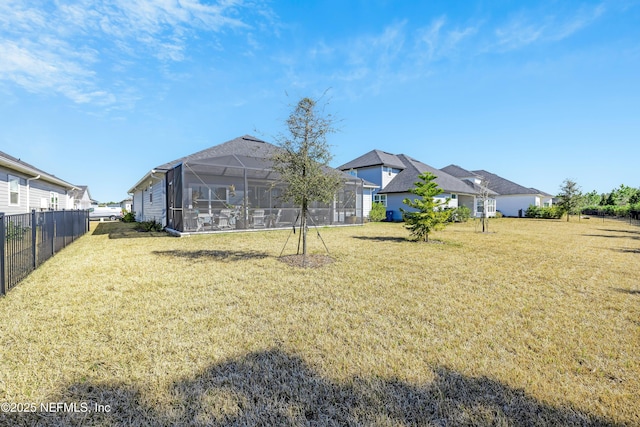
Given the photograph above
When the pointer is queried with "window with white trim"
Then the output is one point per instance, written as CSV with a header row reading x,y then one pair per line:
x,y
53,201
380,198
14,190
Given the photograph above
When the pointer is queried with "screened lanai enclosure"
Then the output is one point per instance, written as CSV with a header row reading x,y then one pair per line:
x,y
233,192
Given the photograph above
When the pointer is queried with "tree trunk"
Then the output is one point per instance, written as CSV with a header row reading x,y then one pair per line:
x,y
304,228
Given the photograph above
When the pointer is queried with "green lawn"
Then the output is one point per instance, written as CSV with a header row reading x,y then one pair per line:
x,y
535,323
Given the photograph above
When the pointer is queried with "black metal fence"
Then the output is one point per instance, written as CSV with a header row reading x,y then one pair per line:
x,y
27,240
631,216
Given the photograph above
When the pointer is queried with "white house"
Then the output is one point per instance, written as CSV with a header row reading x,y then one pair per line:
x,y
512,199
24,187
395,174
82,197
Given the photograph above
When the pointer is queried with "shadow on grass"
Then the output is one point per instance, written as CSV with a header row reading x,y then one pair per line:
x,y
124,230
627,291
627,250
213,254
619,231
275,388
382,239
613,236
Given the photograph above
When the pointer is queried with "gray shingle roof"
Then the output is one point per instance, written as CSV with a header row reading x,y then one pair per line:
x,y
374,158
247,145
503,186
412,168
245,151
34,170
458,172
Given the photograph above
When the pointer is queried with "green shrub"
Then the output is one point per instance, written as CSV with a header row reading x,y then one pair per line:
x,y
15,232
499,214
152,225
129,217
460,214
378,212
552,212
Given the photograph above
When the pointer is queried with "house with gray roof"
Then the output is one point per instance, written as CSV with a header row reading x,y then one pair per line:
x,y
232,186
82,197
396,174
24,187
512,199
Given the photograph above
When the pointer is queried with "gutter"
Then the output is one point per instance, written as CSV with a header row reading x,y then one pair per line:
x,y
150,175
29,188
27,170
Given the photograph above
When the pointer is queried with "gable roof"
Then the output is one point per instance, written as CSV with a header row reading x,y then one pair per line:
x,y
504,187
458,172
406,179
80,191
18,165
374,158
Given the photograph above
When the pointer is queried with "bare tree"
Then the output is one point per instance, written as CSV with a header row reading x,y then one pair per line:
x,y
303,161
485,198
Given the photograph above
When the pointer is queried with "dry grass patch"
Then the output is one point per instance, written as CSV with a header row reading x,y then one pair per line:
x,y
533,324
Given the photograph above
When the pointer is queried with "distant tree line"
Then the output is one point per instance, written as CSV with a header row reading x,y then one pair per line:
x,y
623,201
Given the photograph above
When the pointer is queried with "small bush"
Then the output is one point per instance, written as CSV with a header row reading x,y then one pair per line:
x,y
499,214
129,217
152,225
378,212
460,214
552,212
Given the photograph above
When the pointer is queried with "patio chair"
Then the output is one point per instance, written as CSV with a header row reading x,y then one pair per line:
x,y
223,219
205,221
258,218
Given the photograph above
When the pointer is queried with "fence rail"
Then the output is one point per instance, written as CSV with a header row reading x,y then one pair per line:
x,y
27,240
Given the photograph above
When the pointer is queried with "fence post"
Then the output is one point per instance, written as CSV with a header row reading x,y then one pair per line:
x,y
54,231
34,238
3,289
64,228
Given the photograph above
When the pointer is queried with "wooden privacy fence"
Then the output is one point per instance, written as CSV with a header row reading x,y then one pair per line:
x,y
27,240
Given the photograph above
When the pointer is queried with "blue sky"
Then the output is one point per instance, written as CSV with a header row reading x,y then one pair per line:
x,y
100,92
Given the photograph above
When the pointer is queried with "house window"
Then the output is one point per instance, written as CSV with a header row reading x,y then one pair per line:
x,y
14,190
491,206
380,198
151,194
454,196
53,201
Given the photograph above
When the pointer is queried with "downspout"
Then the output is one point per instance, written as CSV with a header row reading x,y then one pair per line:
x,y
29,188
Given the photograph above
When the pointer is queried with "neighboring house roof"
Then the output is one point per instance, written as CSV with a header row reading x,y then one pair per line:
x,y
467,176
374,158
18,165
541,192
79,192
504,187
406,179
458,172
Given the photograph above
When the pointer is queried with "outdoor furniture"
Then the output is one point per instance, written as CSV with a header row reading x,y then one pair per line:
x,y
205,220
223,219
258,218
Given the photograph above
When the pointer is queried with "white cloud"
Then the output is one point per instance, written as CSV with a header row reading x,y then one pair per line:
x,y
59,48
436,41
528,28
